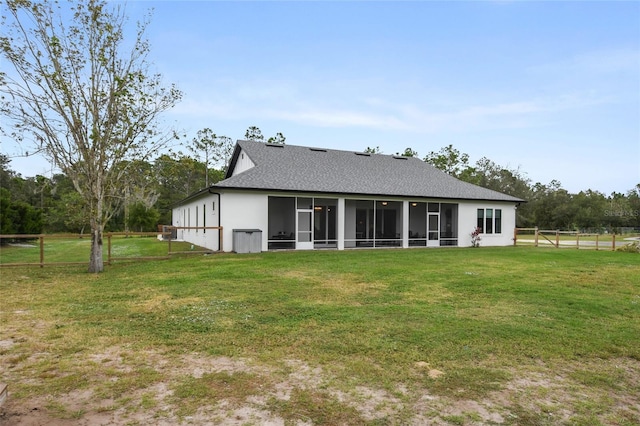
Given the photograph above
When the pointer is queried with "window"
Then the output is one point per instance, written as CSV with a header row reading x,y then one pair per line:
x,y
488,229
490,221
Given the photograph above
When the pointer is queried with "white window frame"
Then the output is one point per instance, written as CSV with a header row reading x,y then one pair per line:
x,y
494,216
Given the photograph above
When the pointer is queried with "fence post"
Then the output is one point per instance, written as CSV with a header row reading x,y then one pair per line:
x,y
536,239
109,249
613,243
170,238
578,240
597,238
41,251
515,236
557,238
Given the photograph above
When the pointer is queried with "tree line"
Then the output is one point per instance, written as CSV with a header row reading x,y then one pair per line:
x,y
548,206
52,204
80,88
32,205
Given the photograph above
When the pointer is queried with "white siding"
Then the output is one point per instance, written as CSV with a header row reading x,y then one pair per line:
x,y
250,210
185,216
244,210
467,220
243,163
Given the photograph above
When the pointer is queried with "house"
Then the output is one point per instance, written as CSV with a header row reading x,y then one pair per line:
x,y
313,198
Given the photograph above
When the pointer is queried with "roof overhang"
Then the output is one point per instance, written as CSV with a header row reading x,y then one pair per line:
x,y
361,195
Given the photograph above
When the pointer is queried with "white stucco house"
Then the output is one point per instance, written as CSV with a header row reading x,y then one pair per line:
x,y
302,198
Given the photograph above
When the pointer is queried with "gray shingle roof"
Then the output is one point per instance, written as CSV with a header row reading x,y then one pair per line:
x,y
304,169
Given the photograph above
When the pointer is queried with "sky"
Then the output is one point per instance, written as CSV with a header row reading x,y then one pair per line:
x,y
551,88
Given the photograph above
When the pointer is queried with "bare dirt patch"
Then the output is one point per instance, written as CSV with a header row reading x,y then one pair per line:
x,y
536,394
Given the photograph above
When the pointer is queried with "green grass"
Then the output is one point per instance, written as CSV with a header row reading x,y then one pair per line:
x,y
348,323
66,250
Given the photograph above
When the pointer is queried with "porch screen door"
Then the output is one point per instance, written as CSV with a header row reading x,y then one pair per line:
x,y
304,230
433,230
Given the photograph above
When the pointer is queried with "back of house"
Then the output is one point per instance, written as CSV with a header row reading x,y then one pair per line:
x,y
302,198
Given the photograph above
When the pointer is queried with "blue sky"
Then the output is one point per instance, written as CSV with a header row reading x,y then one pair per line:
x,y
552,88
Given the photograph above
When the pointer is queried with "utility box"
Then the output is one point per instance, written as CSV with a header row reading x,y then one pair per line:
x,y
247,240
165,233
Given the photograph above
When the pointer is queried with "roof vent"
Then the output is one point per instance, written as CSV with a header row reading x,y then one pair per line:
x,y
275,145
363,154
318,149
400,157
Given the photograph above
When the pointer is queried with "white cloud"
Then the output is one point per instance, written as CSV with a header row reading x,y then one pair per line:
x,y
605,61
331,107
340,118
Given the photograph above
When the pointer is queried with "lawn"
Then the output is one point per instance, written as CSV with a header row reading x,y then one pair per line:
x,y
62,249
513,336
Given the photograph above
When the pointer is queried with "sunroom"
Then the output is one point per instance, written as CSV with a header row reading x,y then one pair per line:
x,y
302,223
313,223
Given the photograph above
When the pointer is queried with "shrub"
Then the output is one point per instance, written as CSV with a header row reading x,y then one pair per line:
x,y
475,237
633,247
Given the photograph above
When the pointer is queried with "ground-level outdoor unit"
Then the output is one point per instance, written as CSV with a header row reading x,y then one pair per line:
x,y
247,240
309,198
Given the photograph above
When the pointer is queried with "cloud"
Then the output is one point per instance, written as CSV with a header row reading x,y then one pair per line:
x,y
599,62
323,117
333,106
609,61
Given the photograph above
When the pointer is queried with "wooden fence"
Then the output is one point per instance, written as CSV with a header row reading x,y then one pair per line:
x,y
557,239
165,231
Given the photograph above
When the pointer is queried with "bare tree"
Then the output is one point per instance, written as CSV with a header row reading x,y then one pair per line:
x,y
81,91
216,150
225,147
205,144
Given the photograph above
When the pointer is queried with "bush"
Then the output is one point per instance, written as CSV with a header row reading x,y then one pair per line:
x,y
475,237
142,218
633,247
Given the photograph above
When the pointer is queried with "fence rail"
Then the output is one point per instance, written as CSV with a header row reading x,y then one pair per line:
x,y
558,239
165,232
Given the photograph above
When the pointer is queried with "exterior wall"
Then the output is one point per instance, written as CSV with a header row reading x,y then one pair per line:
x,y
244,163
249,210
467,221
236,210
243,210
199,212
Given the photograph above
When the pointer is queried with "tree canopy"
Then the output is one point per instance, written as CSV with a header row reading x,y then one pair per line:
x,y
254,133
39,204
82,92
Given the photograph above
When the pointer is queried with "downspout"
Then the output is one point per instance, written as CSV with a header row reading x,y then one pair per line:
x,y
219,218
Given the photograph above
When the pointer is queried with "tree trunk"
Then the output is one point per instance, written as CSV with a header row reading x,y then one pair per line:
x,y
96,263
